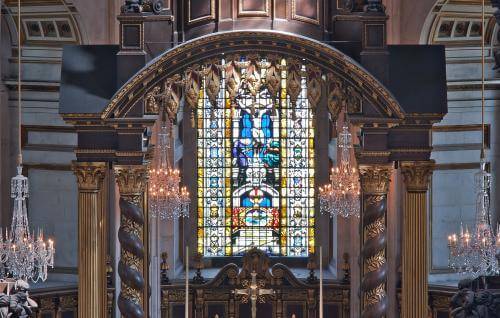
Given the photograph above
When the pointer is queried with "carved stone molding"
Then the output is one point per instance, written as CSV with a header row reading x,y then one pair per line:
x,y
375,179
417,175
89,175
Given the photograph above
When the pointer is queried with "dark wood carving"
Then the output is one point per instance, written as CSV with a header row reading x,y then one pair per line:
x,y
129,269
373,287
292,296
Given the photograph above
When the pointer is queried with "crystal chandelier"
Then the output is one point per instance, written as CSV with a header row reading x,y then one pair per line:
x,y
23,255
341,195
166,198
476,253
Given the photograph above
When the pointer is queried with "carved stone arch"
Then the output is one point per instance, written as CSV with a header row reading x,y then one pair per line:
x,y
355,82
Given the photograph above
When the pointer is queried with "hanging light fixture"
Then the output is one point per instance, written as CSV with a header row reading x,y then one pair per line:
x,y
23,255
166,198
341,196
476,252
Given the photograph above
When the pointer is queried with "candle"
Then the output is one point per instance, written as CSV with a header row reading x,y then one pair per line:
x,y
320,282
186,312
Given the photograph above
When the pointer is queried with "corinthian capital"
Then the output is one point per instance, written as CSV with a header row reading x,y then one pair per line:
x,y
131,179
417,175
89,174
375,179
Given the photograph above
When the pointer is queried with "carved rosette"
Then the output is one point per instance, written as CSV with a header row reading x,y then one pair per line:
x,y
89,175
375,184
132,184
417,175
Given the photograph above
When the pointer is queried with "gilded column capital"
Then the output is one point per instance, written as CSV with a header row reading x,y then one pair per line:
x,y
375,179
416,174
89,174
131,179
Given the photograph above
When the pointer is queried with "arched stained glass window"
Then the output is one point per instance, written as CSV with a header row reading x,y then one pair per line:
x,y
255,172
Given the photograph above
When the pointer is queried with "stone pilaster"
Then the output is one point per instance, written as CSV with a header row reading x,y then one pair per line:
x,y
92,238
414,252
375,181
132,235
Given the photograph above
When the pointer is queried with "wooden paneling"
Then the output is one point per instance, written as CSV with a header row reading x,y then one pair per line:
x,y
254,8
200,10
306,11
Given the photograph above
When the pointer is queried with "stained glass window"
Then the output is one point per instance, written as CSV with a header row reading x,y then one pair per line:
x,y
255,173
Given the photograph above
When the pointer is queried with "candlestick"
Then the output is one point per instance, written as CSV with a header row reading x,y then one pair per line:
x,y
320,282
186,312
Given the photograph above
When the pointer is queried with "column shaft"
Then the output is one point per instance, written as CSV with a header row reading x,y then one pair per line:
x,y
92,238
375,184
415,237
132,235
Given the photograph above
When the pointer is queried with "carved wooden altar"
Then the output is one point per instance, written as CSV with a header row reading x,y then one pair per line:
x,y
293,297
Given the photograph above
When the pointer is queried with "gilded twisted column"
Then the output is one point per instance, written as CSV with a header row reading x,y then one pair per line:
x,y
133,265
92,238
375,184
415,257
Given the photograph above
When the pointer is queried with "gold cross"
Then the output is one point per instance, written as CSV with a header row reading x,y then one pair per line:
x,y
254,292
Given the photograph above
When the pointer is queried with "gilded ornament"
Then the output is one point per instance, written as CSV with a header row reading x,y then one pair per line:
x,y
131,179
192,87
233,79
151,102
374,296
335,98
417,175
173,93
313,85
130,226
131,294
354,100
375,179
375,262
252,76
89,174
212,82
374,229
131,260
294,79
273,76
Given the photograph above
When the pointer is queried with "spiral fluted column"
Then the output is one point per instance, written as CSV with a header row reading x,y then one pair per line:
x,y
415,254
92,238
132,235
373,290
